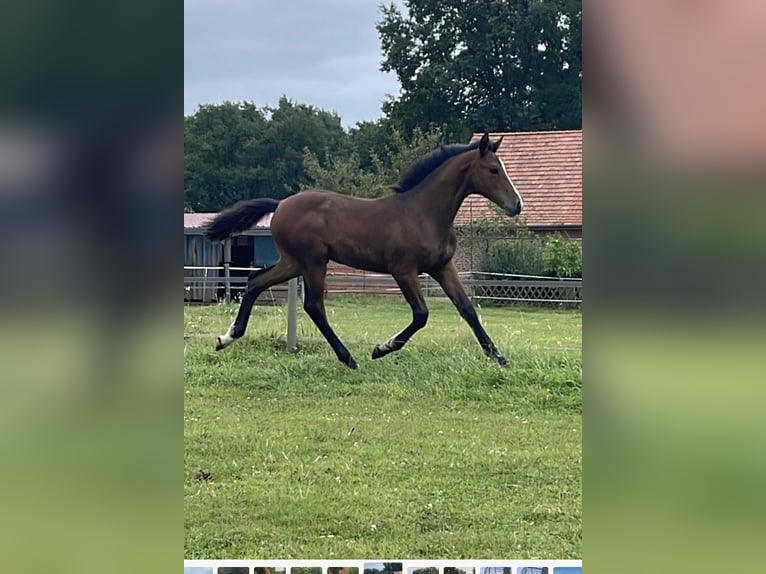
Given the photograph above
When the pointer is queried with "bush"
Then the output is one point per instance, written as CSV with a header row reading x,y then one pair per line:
x,y
523,256
530,255
562,258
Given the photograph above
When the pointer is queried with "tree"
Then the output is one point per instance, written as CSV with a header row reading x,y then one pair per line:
x,y
370,140
474,65
220,162
370,171
293,128
235,151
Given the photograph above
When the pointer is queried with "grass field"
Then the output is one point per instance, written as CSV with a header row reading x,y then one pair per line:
x,y
431,452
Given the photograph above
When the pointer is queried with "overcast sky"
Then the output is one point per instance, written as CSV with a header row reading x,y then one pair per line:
x,y
324,53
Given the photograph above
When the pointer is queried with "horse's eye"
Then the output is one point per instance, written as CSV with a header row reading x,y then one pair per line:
x,y
493,171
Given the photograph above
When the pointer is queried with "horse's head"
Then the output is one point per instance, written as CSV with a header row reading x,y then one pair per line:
x,y
488,177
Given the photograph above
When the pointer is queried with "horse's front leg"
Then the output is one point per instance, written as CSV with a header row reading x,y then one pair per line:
x,y
449,280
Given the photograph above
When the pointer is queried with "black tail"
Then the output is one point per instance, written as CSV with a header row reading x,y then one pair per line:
x,y
239,217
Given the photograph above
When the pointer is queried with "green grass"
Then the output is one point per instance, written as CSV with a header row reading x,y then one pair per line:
x,y
431,452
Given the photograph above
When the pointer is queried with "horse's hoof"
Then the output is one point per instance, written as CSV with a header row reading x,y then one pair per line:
x,y
377,352
502,361
351,363
219,344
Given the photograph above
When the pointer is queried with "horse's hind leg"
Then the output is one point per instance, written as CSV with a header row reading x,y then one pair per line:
x,y
410,286
257,282
450,282
314,278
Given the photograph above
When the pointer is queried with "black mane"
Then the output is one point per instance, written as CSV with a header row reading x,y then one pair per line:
x,y
420,168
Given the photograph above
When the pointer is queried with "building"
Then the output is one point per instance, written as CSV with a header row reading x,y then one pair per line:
x,y
253,248
546,168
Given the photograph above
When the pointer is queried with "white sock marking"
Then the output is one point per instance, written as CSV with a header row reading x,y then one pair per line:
x,y
516,191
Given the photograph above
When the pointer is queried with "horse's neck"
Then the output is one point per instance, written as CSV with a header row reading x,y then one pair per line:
x,y
439,197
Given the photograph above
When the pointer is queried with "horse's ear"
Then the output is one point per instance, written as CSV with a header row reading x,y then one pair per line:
x,y
496,145
484,144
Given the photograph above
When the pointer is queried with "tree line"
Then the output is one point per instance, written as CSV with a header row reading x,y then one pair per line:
x,y
463,66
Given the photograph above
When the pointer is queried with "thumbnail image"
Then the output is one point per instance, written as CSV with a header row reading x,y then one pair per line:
x,y
383,568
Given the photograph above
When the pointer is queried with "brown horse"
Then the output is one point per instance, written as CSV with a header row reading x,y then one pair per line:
x,y
403,234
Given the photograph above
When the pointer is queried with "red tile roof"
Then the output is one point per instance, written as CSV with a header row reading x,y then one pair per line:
x,y
546,168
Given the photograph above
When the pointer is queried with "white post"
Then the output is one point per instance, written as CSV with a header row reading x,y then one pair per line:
x,y
292,315
226,265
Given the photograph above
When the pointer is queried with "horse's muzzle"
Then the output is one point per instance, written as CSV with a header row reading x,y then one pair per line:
x,y
513,211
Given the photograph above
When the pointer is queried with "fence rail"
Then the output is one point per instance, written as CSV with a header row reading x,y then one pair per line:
x,y
207,284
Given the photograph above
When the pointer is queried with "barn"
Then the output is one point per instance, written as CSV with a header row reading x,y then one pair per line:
x,y
546,168
251,249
